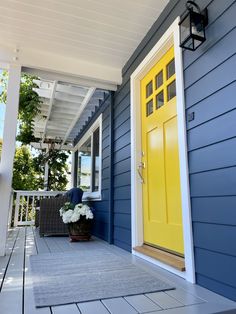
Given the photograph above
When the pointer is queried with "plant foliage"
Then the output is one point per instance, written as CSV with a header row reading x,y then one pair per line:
x,y
29,105
25,175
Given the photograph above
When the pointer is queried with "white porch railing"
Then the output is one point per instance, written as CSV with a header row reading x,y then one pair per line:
x,y
26,203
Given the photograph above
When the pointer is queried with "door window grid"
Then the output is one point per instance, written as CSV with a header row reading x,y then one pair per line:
x,y
164,87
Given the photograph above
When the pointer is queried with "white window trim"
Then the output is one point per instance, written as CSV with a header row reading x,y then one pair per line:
x,y
98,123
170,37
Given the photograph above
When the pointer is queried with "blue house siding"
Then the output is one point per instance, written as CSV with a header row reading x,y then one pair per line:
x,y
210,93
210,88
122,169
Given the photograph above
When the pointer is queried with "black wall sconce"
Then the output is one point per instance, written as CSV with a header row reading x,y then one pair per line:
x,y
192,26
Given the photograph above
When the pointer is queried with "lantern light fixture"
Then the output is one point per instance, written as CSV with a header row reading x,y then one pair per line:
x,y
192,26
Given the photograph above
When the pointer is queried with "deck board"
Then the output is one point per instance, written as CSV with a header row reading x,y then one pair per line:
x,y
29,305
65,309
41,245
16,296
118,306
11,296
92,308
142,304
5,259
164,300
184,297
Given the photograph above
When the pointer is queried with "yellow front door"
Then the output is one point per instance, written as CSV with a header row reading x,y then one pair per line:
x,y
162,211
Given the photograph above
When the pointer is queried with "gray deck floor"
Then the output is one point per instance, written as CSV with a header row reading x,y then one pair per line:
x,y
16,293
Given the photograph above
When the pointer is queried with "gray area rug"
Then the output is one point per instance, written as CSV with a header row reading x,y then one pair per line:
x,y
70,277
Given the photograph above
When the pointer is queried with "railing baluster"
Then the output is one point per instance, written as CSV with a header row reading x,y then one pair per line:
x,y
16,220
25,205
27,209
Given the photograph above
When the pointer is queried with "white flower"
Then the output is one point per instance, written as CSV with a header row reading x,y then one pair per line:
x,y
89,215
76,216
73,215
61,210
66,217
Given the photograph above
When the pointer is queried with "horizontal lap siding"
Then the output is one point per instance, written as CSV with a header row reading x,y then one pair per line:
x,y
210,86
122,174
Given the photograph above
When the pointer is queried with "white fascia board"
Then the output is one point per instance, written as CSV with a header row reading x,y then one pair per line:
x,y
43,60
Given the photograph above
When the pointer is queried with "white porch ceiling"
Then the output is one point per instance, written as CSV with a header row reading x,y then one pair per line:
x,y
99,33
63,105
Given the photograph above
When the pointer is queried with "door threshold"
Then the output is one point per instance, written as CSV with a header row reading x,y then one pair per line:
x,y
167,258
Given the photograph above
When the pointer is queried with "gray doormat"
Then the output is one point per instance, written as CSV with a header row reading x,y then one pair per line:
x,y
71,277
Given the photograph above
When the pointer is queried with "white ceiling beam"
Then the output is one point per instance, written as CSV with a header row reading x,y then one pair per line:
x,y
68,97
81,108
72,90
53,90
64,77
54,62
44,93
57,146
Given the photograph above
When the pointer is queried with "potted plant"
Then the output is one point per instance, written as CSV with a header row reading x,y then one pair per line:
x,y
79,220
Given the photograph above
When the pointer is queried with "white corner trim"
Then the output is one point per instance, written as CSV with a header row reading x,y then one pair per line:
x,y
98,123
170,38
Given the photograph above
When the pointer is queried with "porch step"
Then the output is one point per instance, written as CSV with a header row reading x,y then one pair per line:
x,y
162,256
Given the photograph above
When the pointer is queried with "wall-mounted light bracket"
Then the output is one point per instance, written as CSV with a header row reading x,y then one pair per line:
x,y
192,26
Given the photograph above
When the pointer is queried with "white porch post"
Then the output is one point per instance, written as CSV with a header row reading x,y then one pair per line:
x,y
46,173
8,150
72,179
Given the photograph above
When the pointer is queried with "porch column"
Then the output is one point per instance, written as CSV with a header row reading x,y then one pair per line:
x,y
72,179
46,173
8,150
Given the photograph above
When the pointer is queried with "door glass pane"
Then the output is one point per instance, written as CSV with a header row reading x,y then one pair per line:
x,y
149,108
159,79
159,100
171,90
84,166
96,161
149,89
170,69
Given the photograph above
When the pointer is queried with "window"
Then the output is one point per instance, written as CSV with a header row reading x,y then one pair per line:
x,y
89,161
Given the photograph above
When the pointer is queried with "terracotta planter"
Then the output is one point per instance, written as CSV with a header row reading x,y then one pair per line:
x,y
80,230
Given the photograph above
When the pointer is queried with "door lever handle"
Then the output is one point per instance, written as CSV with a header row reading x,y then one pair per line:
x,y
141,166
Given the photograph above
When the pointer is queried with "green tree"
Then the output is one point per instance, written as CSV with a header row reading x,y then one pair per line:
x,y
25,175
58,168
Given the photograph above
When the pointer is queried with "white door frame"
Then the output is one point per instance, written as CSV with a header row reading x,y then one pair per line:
x,y
170,38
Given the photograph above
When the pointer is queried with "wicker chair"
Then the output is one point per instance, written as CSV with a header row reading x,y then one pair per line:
x,y
50,222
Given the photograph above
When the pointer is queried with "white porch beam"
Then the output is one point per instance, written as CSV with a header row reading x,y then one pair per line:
x,y
67,97
81,108
54,86
57,146
8,150
72,169
46,175
70,79
36,59
72,90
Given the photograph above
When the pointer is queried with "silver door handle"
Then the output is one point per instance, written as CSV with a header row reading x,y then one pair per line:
x,y
141,166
